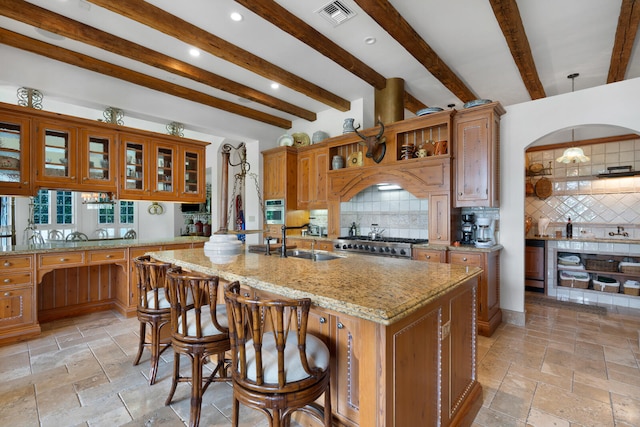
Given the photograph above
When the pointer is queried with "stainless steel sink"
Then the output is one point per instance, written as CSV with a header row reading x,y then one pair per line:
x,y
313,256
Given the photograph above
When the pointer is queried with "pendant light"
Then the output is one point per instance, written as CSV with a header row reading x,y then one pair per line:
x,y
572,154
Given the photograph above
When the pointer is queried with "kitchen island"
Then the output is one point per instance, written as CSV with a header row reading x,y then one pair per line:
x,y
403,334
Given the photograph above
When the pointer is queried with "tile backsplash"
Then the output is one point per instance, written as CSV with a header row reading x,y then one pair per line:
x,y
595,205
398,212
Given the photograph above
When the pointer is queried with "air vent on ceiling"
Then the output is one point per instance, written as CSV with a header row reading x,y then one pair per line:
x,y
336,12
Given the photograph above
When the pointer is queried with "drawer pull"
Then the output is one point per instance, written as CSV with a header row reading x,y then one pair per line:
x,y
340,325
428,256
109,256
7,294
63,260
323,320
464,259
7,264
7,280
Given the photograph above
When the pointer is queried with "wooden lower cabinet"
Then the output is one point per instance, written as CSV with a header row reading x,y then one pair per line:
x,y
489,312
17,299
429,255
49,285
419,371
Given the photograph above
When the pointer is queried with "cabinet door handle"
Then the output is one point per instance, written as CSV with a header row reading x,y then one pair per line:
x,y
323,320
7,280
7,264
340,325
7,294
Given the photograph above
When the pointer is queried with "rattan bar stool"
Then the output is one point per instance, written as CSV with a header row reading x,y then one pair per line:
x,y
277,367
153,309
198,330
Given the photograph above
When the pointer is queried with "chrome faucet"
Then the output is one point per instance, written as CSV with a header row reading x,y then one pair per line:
x,y
283,249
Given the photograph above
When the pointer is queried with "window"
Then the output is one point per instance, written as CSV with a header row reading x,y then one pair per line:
x,y
125,219
60,213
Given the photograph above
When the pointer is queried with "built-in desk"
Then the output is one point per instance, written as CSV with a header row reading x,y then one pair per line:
x,y
39,283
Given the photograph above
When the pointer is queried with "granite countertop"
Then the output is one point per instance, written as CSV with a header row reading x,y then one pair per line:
x,y
380,289
66,246
586,239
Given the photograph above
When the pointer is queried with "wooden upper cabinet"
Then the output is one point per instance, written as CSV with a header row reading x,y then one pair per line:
x,y
477,150
99,159
280,175
57,154
134,168
313,165
163,178
191,179
15,160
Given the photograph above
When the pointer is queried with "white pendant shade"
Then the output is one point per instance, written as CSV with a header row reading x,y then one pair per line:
x,y
572,155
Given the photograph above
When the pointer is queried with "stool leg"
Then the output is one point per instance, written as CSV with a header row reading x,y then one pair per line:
x,y
328,414
235,412
196,389
155,351
143,331
176,373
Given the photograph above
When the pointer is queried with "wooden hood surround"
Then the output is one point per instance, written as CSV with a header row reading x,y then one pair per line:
x,y
422,177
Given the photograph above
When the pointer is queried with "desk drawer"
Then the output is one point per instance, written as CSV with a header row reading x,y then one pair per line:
x,y
107,256
466,259
15,262
61,259
17,278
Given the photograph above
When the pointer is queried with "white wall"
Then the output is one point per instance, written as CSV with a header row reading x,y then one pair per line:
x,y
522,125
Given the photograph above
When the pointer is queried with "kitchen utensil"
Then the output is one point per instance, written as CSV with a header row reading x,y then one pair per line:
x,y
543,188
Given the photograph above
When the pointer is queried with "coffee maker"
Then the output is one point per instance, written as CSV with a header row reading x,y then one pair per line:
x,y
468,229
485,237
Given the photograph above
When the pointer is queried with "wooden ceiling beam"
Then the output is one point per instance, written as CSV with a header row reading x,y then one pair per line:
x,y
286,21
393,23
508,17
625,36
83,61
42,18
156,18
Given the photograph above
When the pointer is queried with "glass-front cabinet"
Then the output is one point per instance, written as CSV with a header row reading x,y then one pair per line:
x,y
134,182
14,155
57,154
192,177
98,164
164,180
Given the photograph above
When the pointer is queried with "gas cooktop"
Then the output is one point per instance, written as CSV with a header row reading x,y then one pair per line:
x,y
387,239
399,247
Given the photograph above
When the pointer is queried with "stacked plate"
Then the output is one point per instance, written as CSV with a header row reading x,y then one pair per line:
x,y
477,102
428,110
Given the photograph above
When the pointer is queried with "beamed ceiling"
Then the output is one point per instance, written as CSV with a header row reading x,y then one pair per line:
x,y
134,54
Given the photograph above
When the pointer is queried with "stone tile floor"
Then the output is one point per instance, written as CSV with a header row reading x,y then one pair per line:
x,y
563,368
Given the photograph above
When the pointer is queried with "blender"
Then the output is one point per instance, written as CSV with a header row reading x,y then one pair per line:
x,y
484,237
468,229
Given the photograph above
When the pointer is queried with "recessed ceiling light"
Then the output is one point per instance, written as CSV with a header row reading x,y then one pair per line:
x,y
235,16
194,52
275,85
369,40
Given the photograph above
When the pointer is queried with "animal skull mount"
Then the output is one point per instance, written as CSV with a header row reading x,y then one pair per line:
x,y
376,144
